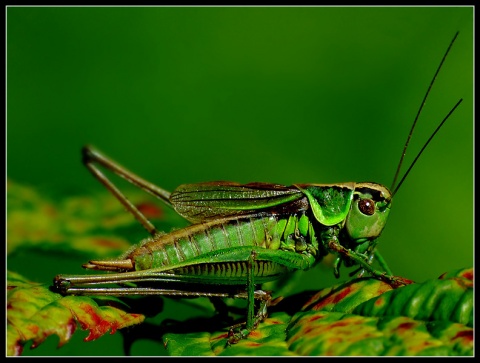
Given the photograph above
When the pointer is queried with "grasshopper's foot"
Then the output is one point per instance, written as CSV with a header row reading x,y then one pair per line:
x,y
235,337
242,330
398,281
61,285
394,281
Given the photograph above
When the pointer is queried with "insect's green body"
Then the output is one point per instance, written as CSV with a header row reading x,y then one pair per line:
x,y
242,235
284,237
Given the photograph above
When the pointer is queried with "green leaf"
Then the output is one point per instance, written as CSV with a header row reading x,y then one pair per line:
x,y
337,334
445,299
34,313
361,318
345,297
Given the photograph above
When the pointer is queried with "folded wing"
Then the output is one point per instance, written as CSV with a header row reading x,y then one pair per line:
x,y
201,201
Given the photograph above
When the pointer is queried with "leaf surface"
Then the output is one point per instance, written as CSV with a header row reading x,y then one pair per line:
x,y
34,313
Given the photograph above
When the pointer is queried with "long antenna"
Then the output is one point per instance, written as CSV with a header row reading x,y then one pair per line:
x,y
416,119
424,146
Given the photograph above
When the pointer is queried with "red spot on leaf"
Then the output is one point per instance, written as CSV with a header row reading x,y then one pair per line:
x,y
89,310
468,275
334,340
467,334
340,323
97,331
406,326
253,344
97,327
463,283
255,334
333,298
379,301
307,330
342,294
150,210
34,329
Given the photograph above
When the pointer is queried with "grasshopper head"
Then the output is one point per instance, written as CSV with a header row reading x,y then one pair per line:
x,y
368,215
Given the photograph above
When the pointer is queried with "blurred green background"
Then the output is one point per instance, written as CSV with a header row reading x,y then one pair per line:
x,y
274,94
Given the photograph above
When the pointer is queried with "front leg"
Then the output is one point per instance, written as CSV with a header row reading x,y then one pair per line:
x,y
363,261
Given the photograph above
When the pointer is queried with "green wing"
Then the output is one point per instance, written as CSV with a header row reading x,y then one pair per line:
x,y
198,202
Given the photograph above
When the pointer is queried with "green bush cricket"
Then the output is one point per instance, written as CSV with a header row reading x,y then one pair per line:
x,y
243,235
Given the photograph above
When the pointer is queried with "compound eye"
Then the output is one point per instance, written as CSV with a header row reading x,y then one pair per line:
x,y
366,206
